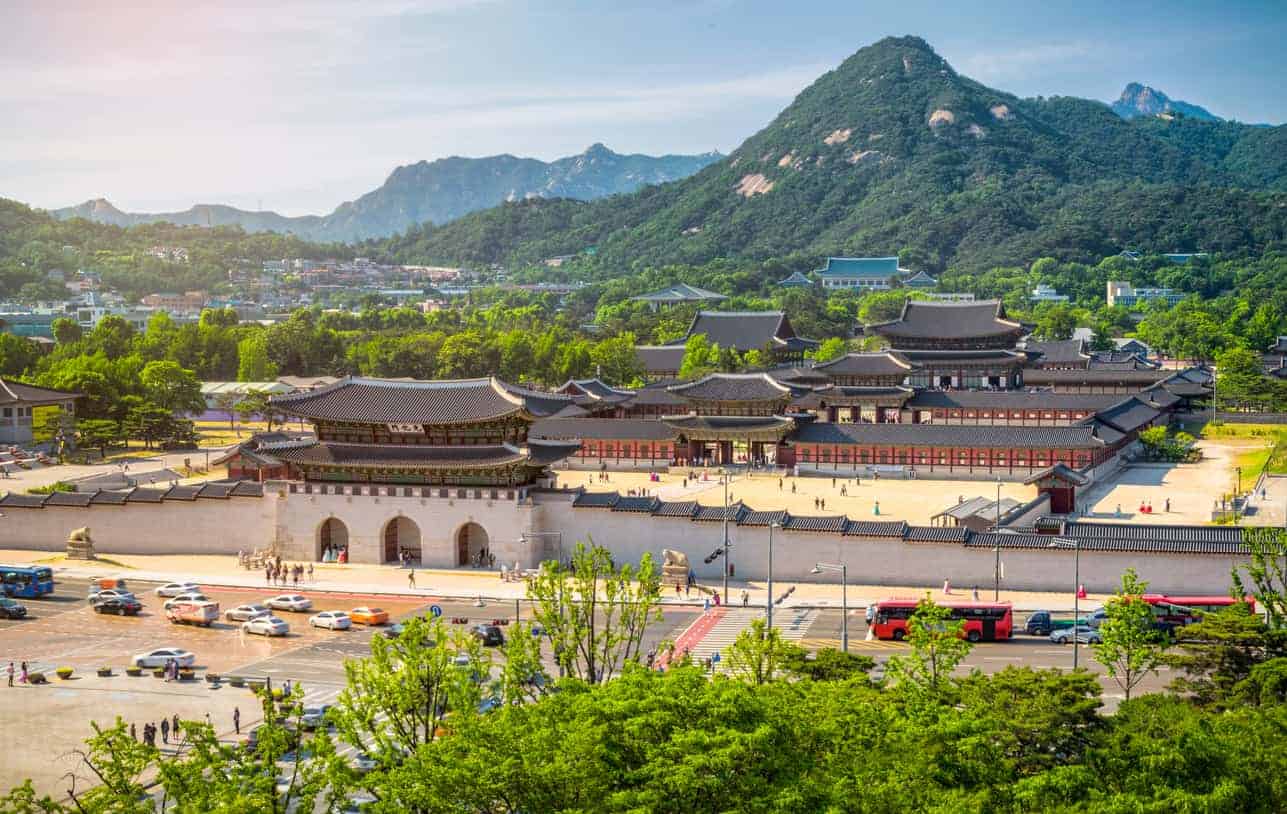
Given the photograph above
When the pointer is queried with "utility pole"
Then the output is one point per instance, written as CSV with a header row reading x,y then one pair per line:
x,y
996,589
768,609
726,544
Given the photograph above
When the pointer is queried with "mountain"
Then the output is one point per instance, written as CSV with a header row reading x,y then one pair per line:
x,y
895,151
434,192
1141,100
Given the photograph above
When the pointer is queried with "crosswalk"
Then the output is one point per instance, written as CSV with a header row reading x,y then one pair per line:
x,y
823,643
792,624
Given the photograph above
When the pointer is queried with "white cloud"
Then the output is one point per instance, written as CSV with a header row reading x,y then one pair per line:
x,y
1014,64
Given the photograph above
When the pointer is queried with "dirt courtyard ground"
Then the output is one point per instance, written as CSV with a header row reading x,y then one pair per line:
x,y
1190,487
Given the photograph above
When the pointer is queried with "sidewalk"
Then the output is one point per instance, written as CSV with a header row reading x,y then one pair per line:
x,y
391,580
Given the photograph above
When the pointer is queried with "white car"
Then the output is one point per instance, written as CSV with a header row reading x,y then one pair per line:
x,y
163,656
266,626
185,598
111,593
244,613
290,602
178,589
333,620
363,763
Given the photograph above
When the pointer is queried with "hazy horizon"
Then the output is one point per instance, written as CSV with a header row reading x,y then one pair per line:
x,y
304,105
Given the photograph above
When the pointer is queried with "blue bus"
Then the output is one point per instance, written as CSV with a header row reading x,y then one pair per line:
x,y
27,582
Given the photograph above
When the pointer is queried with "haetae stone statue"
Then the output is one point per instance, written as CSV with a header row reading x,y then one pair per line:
x,y
79,545
674,567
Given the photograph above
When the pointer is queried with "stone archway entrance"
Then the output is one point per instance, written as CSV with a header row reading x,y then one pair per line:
x,y
401,537
333,541
471,545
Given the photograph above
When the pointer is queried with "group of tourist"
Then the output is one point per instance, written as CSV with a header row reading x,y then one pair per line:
x,y
279,573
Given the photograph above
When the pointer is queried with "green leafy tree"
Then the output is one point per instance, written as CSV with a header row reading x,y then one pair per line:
x,y
226,402
826,664
1132,645
938,645
616,359
1267,570
66,331
700,357
758,652
171,387
1221,651
99,433
253,362
594,615
830,349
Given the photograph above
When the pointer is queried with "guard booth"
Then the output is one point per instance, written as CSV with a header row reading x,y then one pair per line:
x,y
1061,483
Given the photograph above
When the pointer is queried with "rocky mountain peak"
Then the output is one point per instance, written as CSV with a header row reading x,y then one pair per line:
x,y
1138,99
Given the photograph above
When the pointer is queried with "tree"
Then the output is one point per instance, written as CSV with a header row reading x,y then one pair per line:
x,y
99,433
1131,646
17,355
148,422
937,644
757,652
827,664
66,331
593,614
172,388
616,360
1267,570
257,403
226,402
830,349
1221,651
700,357
253,363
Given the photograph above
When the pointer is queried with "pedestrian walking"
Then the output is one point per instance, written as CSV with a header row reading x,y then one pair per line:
x,y
706,604
268,574
779,484
294,572
165,731
793,487
1167,505
411,578
746,598
236,720
174,726
134,733
208,723
976,593
310,572
22,677
677,592
9,670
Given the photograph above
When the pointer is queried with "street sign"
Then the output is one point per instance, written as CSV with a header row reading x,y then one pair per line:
x,y
435,611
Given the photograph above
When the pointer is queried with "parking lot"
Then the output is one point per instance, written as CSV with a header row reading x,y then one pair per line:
x,y
62,630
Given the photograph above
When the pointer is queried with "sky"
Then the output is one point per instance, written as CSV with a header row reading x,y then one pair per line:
x,y
296,106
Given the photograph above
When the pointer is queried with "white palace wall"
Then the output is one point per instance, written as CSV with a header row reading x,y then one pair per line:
x,y
521,529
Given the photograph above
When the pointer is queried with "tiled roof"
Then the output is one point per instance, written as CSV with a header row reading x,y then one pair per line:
x,y
1184,388
1159,544
1104,431
1011,400
12,392
17,500
753,518
543,452
796,279
689,423
846,267
1159,397
139,494
867,364
829,524
660,358
949,320
875,528
925,358
718,513
676,508
845,394
937,534
417,456
596,389
625,429
142,495
389,401
183,493
947,435
638,503
1059,471
679,292
70,499
743,330
1066,351
596,500
920,280
654,395
111,497
1129,415
733,387
1140,377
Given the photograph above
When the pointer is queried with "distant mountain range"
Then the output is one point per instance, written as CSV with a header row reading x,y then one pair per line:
x,y
1141,100
433,192
894,152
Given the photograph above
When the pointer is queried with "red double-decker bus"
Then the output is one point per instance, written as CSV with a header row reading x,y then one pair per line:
x,y
984,621
1185,610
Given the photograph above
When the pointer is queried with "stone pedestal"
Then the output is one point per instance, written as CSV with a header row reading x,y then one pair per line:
x,y
79,545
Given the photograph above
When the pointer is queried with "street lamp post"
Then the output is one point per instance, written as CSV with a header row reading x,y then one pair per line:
x,y
996,550
726,545
768,608
1237,490
1075,545
818,568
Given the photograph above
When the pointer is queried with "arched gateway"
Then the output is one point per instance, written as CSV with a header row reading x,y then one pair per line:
x,y
471,545
401,539
332,540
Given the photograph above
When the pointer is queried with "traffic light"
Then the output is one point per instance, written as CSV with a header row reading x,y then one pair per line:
x,y
714,555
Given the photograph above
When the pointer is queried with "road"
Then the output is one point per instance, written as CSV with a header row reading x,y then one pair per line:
x,y
61,630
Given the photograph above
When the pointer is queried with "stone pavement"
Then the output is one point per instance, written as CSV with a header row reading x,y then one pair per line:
x,y
223,571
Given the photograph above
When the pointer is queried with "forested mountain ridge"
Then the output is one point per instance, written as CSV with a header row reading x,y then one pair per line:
x,y
432,192
893,150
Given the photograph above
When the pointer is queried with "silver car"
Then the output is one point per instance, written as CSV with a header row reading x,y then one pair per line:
x,y
266,626
244,613
1084,634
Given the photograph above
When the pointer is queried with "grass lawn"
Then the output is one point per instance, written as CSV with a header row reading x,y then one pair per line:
x,y
1268,432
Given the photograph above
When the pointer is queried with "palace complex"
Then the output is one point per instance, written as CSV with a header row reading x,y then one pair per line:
x,y
459,473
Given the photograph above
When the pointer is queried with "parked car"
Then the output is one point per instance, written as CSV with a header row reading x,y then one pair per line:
x,y
1084,633
369,616
193,613
314,717
394,630
290,602
120,607
194,596
363,763
1097,618
489,635
12,609
1043,623
163,656
244,613
178,589
266,626
331,620
96,596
